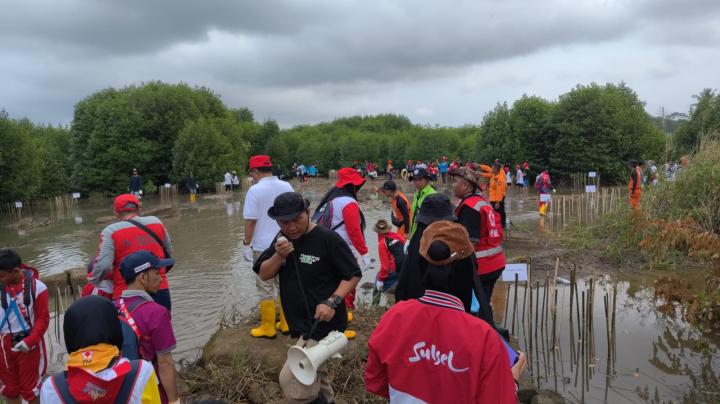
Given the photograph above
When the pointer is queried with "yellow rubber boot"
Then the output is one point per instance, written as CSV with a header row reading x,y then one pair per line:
x,y
282,325
267,321
543,209
350,315
350,334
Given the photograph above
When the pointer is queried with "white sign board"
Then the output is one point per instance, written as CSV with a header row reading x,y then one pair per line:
x,y
508,275
78,219
76,195
167,185
545,198
592,174
18,204
590,189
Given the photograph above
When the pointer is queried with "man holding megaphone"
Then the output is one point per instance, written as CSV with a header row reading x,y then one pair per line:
x,y
316,270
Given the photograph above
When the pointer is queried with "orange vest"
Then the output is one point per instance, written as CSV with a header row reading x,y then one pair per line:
x,y
488,249
498,186
396,212
638,173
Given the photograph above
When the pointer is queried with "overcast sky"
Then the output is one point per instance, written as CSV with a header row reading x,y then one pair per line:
x,y
440,62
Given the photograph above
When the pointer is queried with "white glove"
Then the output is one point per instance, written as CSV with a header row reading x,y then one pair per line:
x,y
379,285
366,262
21,347
248,253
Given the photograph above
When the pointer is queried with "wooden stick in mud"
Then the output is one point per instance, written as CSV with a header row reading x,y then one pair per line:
x,y
537,305
607,329
515,300
507,302
554,320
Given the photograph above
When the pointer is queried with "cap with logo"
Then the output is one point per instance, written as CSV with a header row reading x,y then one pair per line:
x,y
419,173
141,261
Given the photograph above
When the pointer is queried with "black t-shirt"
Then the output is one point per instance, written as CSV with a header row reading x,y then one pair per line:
x,y
323,259
471,221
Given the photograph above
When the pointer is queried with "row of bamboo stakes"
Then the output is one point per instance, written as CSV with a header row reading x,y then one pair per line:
x,y
580,180
585,208
60,206
538,322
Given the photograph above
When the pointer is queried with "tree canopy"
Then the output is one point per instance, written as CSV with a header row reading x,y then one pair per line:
x,y
169,131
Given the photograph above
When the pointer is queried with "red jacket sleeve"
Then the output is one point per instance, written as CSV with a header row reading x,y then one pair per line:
x,y
386,260
41,320
376,379
351,217
496,383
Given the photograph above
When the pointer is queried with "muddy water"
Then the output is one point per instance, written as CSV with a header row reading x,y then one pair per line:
x,y
657,358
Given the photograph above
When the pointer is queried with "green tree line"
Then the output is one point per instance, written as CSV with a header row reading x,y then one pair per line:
x,y
169,131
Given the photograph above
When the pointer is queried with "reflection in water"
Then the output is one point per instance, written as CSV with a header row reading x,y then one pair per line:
x,y
573,347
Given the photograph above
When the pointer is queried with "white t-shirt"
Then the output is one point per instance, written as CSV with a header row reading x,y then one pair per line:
x,y
228,179
259,199
519,177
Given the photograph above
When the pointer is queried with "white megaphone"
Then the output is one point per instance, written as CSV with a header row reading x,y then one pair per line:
x,y
304,362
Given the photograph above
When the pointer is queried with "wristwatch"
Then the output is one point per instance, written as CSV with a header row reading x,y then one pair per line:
x,y
334,301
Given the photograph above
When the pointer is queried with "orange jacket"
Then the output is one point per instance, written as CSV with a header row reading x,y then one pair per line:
x,y
498,186
634,185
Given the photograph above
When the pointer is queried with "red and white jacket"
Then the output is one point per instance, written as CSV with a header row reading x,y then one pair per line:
x,y
36,312
388,262
447,356
488,249
346,210
121,239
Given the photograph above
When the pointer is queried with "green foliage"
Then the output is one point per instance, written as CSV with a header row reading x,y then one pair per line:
x,y
695,193
207,148
115,131
19,160
704,119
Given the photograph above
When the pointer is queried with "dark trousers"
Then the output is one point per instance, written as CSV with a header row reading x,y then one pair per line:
x,y
444,177
162,297
486,284
501,210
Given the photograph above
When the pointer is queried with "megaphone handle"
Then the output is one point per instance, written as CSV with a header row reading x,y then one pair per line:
x,y
312,331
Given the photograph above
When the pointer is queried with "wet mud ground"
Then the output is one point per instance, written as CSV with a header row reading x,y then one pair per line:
x,y
655,356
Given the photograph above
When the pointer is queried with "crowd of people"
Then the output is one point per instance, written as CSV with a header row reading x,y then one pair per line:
x,y
437,259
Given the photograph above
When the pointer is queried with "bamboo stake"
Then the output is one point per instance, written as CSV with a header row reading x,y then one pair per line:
x,y
515,300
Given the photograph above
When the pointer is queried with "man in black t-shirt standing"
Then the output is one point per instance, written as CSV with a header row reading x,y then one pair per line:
x,y
316,270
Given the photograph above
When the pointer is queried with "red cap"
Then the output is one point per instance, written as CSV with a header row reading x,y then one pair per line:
x,y
125,202
348,175
259,161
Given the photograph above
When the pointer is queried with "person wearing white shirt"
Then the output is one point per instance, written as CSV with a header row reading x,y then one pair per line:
x,y
260,231
227,181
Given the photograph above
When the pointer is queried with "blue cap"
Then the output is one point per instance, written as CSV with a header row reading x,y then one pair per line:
x,y
141,261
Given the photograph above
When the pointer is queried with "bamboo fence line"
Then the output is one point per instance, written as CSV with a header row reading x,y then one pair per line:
x,y
557,323
585,208
580,180
168,193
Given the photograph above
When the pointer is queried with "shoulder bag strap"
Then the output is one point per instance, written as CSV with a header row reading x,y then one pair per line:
x,y
59,381
128,383
154,236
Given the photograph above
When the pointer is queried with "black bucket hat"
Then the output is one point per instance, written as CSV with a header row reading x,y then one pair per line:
x,y
287,206
435,207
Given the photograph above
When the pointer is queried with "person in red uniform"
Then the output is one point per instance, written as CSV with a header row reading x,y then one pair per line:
x,y
483,225
447,356
635,184
131,233
25,320
340,212
391,253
